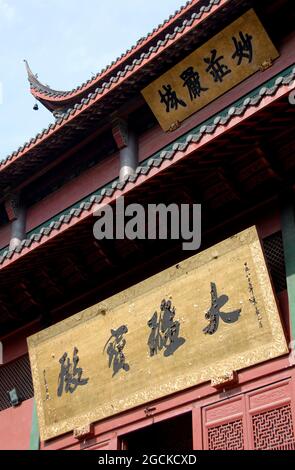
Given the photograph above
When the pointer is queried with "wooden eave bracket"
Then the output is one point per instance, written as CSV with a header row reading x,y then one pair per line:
x,y
11,205
120,132
225,380
266,65
84,432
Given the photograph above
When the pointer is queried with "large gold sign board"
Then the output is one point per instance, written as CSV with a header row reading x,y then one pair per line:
x,y
210,315
224,61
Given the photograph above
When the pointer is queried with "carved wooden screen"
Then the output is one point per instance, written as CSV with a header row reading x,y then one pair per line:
x,y
273,429
224,425
259,420
271,417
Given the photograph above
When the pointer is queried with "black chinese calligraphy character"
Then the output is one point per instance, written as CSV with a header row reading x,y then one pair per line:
x,y
165,331
70,376
170,98
215,67
217,302
115,346
192,81
244,48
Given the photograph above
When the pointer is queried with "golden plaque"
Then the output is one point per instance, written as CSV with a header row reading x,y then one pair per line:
x,y
224,61
206,317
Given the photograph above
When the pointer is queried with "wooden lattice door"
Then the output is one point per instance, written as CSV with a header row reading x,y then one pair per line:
x,y
263,419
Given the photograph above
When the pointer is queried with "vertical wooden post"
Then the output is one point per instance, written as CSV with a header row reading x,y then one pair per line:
x,y
34,437
197,429
288,229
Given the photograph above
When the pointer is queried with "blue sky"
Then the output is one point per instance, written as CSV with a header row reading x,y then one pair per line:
x,y
65,42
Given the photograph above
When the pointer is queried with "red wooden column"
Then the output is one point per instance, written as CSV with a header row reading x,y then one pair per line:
x,y
197,428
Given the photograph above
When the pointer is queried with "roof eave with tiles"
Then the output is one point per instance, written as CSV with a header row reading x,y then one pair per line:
x,y
276,88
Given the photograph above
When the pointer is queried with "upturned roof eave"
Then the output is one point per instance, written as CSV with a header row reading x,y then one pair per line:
x,y
54,99
107,87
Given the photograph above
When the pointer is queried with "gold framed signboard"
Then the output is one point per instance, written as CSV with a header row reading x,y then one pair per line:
x,y
212,314
220,64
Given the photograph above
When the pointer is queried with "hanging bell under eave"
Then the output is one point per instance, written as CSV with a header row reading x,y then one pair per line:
x,y
36,107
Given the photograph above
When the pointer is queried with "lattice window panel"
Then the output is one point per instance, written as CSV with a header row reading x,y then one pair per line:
x,y
273,430
16,374
274,253
227,436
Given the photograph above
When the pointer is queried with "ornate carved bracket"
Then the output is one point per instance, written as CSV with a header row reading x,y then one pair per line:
x,y
225,380
12,204
120,132
174,126
84,432
266,65
150,410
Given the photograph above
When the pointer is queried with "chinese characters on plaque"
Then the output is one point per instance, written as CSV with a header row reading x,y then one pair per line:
x,y
165,331
164,335
115,345
213,315
70,376
216,67
209,315
224,61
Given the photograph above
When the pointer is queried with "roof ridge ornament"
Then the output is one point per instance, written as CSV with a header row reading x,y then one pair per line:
x,y
33,78
37,85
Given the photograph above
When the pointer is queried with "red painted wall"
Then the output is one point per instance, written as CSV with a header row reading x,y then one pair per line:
x,y
15,427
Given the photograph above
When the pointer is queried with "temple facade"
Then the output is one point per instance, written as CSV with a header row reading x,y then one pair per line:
x,y
135,343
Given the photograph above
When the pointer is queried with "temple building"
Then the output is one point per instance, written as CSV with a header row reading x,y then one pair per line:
x,y
135,343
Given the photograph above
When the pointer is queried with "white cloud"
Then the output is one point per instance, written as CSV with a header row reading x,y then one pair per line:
x,y
7,11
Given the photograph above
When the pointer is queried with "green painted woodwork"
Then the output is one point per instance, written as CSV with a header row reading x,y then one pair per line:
x,y
288,229
34,437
